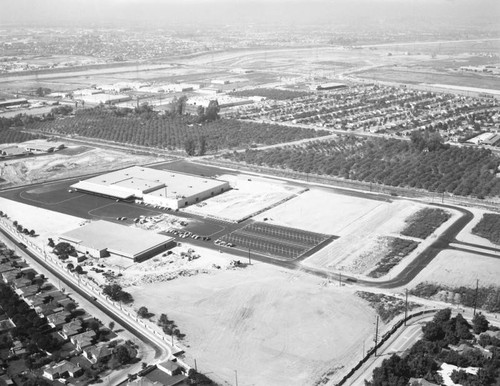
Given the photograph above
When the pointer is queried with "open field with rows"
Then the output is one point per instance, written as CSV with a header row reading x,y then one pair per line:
x,y
169,132
420,163
277,241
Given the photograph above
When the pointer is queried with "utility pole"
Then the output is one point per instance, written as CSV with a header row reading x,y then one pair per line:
x,y
376,337
195,366
249,257
406,304
340,279
475,296
236,377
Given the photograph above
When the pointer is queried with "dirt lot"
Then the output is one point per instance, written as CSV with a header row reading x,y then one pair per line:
x,y
360,223
457,268
248,196
66,163
273,326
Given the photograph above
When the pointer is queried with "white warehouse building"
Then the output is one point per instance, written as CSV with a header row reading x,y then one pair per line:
x,y
156,187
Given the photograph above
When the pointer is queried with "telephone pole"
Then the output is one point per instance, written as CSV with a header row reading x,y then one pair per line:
x,y
249,257
376,337
406,304
475,296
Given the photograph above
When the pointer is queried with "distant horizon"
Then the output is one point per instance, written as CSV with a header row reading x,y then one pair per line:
x,y
478,13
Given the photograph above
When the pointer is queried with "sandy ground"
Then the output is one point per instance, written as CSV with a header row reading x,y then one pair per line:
x,y
362,225
272,326
249,196
35,218
59,165
457,268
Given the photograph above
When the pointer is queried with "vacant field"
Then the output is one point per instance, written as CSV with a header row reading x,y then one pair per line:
x,y
488,227
249,196
273,327
467,236
457,268
70,162
412,75
360,223
274,240
38,219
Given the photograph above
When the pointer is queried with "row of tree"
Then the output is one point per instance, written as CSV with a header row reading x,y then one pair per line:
x,y
172,132
426,356
425,165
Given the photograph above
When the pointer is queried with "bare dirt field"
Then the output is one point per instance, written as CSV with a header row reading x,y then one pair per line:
x,y
67,163
248,197
362,224
272,326
458,268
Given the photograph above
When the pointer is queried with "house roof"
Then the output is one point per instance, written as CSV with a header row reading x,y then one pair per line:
x,y
72,328
61,368
58,318
99,351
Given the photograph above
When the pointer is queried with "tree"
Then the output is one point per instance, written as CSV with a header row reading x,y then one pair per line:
x,y
212,111
479,323
203,145
143,312
79,269
122,354
70,267
63,248
70,307
190,146
442,316
433,331
51,243
111,325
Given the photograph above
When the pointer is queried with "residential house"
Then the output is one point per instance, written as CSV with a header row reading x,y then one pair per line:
x,y
61,369
28,291
20,283
170,367
97,353
58,319
6,267
83,340
72,328
10,276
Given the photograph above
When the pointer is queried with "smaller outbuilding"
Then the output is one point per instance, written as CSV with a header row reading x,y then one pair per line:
x,y
104,238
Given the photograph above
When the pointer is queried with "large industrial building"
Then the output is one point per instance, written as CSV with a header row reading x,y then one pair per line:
x,y
104,238
152,186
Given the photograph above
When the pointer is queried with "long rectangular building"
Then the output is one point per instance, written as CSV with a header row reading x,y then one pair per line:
x,y
152,186
103,238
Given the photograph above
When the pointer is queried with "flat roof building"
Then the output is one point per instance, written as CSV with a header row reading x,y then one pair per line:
x,y
153,186
103,238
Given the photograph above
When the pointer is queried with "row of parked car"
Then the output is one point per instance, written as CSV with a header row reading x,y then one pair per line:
x,y
185,234
223,243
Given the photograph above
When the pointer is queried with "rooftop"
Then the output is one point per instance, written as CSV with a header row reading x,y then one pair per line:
x,y
115,238
126,182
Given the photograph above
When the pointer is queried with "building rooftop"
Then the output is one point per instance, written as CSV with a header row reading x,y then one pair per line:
x,y
115,238
127,182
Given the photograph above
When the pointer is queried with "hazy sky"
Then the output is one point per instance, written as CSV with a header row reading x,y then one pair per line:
x,y
234,11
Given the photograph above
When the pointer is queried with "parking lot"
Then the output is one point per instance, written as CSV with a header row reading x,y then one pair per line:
x,y
272,240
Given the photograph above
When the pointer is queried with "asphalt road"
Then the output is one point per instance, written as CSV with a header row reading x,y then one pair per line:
x,y
89,206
